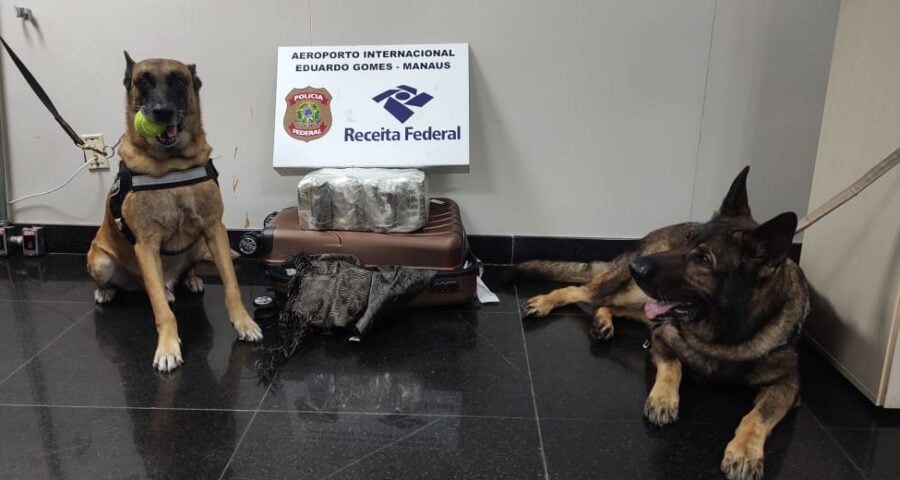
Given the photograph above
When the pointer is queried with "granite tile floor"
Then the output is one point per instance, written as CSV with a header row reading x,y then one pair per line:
x,y
468,392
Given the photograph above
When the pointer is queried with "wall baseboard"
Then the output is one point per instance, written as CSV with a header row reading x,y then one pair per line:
x,y
491,249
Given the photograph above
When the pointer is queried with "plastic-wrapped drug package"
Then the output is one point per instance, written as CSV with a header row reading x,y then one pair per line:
x,y
366,199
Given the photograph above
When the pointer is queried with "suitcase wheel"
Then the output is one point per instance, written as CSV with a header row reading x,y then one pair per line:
x,y
249,244
266,308
264,302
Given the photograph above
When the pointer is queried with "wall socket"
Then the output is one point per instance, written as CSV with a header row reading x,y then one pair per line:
x,y
97,161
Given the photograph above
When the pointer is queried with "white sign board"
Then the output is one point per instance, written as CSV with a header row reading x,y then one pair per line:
x,y
372,106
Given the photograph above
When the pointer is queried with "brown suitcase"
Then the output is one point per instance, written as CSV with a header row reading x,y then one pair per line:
x,y
440,245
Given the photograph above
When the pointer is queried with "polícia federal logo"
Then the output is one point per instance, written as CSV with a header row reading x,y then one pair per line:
x,y
398,100
308,113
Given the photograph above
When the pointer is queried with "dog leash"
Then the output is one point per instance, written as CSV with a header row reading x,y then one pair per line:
x,y
845,195
45,99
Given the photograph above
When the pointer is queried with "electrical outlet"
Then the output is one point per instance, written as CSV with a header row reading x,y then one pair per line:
x,y
97,161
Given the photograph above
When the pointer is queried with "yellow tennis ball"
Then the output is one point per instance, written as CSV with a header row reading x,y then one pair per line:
x,y
146,127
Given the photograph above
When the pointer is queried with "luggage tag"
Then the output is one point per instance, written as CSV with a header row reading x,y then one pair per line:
x,y
485,295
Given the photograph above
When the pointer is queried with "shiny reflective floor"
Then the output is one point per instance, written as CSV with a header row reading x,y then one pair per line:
x,y
471,392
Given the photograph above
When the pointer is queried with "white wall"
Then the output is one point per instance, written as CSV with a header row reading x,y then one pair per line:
x,y
657,103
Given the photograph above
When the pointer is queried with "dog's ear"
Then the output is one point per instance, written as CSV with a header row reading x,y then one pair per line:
x,y
770,243
735,203
194,78
129,67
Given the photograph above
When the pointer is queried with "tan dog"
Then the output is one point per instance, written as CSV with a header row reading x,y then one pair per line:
x,y
153,237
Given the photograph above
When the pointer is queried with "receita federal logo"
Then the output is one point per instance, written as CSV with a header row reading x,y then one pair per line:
x,y
398,100
308,113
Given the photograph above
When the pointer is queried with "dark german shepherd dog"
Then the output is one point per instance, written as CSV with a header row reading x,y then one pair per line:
x,y
723,300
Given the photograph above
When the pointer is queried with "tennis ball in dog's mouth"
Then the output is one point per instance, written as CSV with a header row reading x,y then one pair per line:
x,y
146,127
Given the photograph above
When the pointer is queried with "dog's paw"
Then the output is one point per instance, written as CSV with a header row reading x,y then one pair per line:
x,y
661,410
168,355
194,284
602,332
247,329
742,463
249,332
170,296
537,307
104,295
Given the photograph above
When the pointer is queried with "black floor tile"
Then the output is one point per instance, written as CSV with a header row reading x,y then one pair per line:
x,y
27,327
576,376
430,393
424,361
106,360
874,451
49,278
97,444
592,449
373,447
834,400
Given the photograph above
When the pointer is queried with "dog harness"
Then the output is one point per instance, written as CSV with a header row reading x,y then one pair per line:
x,y
126,181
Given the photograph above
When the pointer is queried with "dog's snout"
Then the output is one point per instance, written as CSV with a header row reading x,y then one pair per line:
x,y
162,115
640,268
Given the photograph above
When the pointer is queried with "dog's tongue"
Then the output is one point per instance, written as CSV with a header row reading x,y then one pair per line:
x,y
171,131
654,308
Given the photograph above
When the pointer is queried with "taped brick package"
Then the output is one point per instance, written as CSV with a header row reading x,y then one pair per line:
x,y
366,199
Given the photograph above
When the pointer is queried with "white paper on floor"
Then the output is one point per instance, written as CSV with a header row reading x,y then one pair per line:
x,y
485,295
